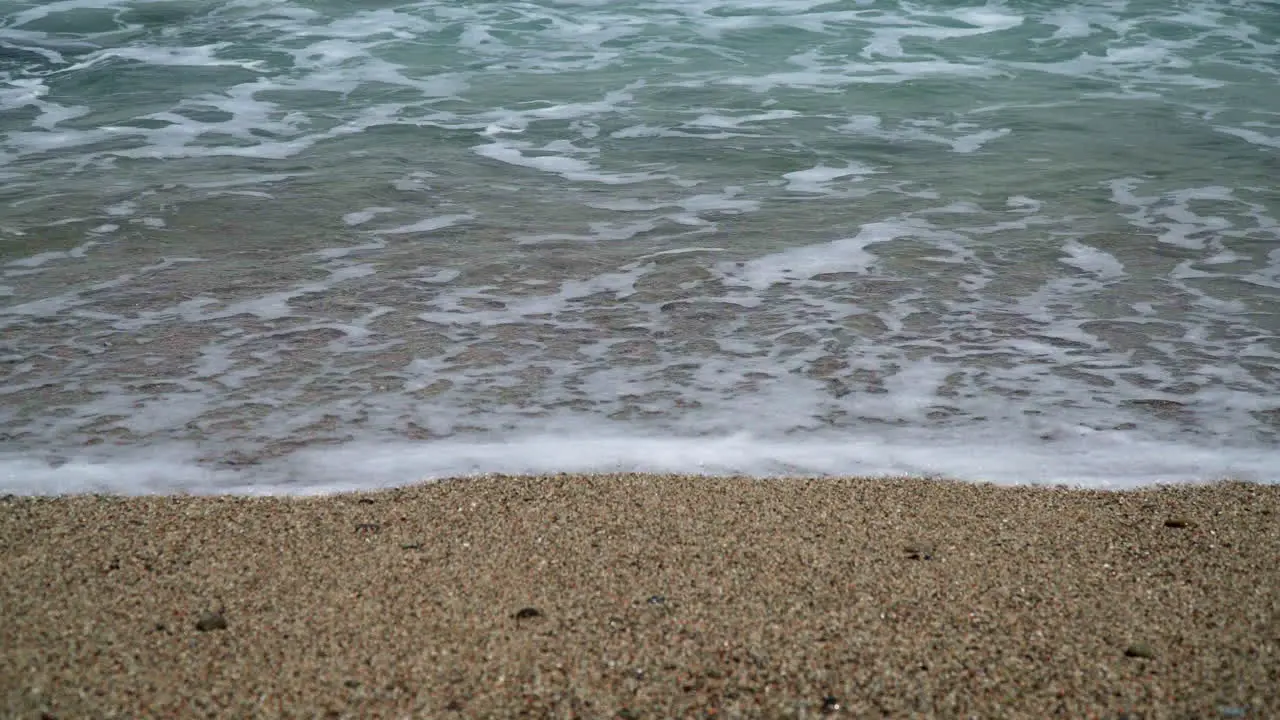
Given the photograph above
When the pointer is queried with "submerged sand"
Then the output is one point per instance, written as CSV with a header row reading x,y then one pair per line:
x,y
647,596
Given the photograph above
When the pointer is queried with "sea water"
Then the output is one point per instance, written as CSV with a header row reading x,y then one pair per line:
x,y
296,246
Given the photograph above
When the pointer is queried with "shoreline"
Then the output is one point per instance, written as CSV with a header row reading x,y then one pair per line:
x,y
647,596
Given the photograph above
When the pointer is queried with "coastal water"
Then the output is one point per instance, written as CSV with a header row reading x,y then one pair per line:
x,y
286,246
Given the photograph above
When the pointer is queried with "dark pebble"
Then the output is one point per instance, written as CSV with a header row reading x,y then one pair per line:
x,y
527,613
656,599
1177,522
365,501
411,546
211,621
368,528
830,705
1140,650
919,552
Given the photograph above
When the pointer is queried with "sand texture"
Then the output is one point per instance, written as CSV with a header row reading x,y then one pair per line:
x,y
646,597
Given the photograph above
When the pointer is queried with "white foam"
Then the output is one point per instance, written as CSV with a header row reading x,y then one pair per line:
x,y
1090,259
566,167
799,264
717,120
724,201
818,179
887,41
965,138
376,23
1096,460
41,258
653,131
23,92
428,225
45,9
820,76
1070,23
342,252
1253,136
198,56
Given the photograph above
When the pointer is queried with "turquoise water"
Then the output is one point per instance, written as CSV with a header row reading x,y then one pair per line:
x,y
286,247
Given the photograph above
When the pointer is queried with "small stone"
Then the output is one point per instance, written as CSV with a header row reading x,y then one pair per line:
x,y
1177,522
830,705
411,546
656,599
368,528
1232,711
1140,650
365,501
919,552
527,613
211,621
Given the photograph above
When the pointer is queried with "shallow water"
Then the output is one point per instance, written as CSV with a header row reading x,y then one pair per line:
x,y
287,247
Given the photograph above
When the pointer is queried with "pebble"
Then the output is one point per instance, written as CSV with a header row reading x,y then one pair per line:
x,y
527,613
919,552
1177,522
211,621
1140,650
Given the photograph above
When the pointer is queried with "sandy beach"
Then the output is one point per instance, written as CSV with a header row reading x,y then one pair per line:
x,y
647,597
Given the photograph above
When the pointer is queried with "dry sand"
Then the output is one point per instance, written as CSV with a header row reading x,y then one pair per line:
x,y
643,596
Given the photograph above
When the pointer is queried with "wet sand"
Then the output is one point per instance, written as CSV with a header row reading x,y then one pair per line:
x,y
646,596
